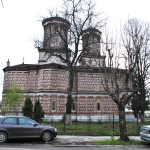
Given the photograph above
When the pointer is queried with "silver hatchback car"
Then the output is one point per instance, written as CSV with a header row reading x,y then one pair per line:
x,y
24,127
145,133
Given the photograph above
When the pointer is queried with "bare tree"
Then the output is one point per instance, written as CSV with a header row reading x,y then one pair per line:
x,y
80,15
117,82
136,39
123,85
2,2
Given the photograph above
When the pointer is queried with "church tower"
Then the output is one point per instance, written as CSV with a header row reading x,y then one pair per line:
x,y
91,38
55,40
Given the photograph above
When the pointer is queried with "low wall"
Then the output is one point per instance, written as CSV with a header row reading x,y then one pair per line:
x,y
101,118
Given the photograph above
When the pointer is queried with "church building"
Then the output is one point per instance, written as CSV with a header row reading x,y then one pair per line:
x,y
48,79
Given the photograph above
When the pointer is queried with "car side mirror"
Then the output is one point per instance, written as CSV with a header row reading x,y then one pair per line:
x,y
35,125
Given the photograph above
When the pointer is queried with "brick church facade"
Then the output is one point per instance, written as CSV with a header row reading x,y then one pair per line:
x,y
48,80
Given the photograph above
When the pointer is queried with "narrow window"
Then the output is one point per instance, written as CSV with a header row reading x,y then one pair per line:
x,y
73,107
98,106
53,106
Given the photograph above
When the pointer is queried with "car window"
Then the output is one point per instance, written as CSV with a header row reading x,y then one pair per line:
x,y
25,121
1,120
11,121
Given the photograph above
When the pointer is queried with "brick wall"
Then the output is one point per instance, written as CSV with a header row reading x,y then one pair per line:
x,y
50,86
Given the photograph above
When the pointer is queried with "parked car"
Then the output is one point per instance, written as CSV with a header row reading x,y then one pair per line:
x,y
145,133
23,127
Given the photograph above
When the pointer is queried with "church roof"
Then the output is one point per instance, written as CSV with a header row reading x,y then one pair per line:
x,y
52,19
28,67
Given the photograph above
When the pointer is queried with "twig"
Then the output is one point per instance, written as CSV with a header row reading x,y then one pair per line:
x,y
2,2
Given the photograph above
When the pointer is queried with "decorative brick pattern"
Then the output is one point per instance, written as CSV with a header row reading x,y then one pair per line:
x,y
50,86
48,80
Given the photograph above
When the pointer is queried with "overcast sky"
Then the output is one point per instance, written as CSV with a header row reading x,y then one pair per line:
x,y
20,24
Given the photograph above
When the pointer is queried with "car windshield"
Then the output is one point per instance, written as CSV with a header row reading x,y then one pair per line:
x,y
34,122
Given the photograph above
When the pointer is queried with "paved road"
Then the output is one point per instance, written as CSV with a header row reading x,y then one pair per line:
x,y
49,147
67,142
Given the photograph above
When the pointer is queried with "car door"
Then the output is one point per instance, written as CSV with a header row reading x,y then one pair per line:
x,y
10,124
28,128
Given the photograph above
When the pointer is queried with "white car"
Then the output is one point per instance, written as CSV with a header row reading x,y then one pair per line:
x,y
145,133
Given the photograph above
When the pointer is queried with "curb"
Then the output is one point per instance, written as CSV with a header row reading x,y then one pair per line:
x,y
87,141
123,146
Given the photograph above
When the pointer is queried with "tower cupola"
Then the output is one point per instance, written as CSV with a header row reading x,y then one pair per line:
x,y
91,56
55,33
55,40
91,40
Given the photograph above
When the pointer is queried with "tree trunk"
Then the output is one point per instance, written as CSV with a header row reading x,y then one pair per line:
x,y
143,107
68,119
142,98
69,97
122,124
142,116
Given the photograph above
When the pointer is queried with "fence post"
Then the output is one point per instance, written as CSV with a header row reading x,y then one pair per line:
x,y
64,121
113,124
137,123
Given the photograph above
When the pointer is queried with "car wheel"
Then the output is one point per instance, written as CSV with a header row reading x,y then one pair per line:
x,y
46,136
3,137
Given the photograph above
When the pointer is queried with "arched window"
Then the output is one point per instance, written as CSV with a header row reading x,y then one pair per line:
x,y
98,106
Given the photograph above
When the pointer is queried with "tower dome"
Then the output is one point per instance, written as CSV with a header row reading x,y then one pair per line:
x,y
55,33
91,40
91,56
55,40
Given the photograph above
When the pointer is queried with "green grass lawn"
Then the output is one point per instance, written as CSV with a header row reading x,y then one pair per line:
x,y
119,142
95,128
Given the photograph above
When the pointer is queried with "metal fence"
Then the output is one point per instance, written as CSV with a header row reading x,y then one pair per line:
x,y
105,125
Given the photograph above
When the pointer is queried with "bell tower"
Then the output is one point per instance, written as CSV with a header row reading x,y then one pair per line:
x,y
91,38
55,40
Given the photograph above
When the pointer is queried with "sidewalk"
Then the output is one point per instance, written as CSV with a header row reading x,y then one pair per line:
x,y
82,140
